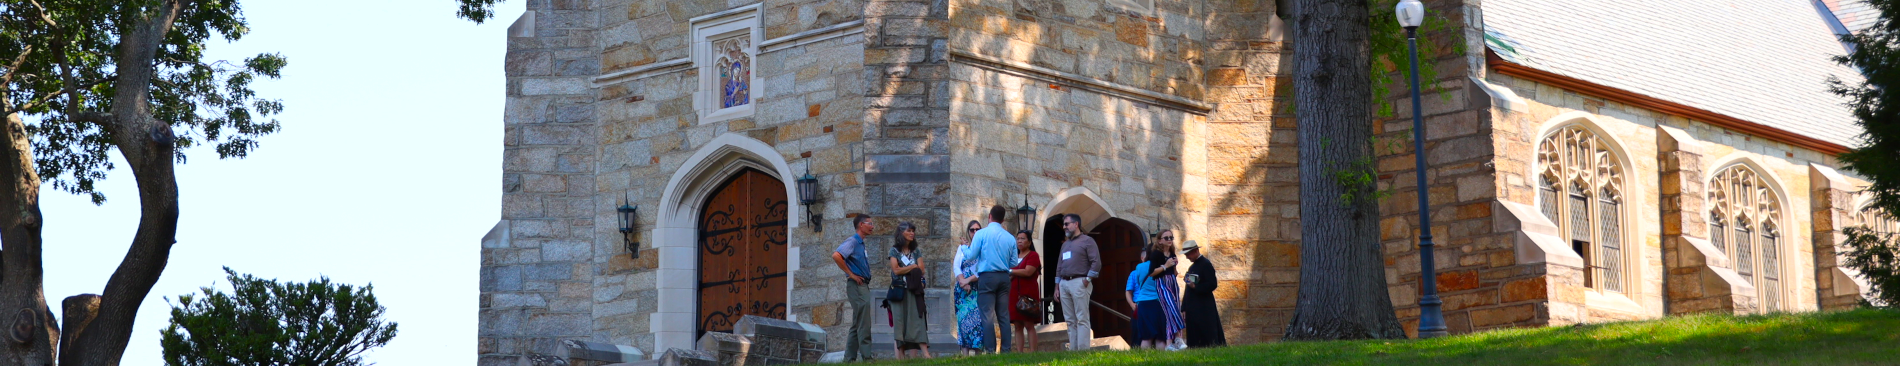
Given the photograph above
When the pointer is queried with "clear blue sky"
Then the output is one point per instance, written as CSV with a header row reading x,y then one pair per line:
x,y
387,172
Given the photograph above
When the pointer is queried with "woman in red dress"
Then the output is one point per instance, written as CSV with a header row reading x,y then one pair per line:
x,y
1024,283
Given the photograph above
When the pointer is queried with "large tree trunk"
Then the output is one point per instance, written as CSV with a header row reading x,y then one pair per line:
x,y
97,327
1342,274
27,329
147,147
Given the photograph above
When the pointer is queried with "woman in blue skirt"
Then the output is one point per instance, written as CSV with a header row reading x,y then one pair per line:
x,y
1142,291
969,318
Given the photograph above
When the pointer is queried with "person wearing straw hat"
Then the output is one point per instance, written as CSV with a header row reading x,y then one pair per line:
x,y
1197,304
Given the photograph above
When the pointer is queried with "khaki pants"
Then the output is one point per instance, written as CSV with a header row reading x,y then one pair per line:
x,y
1074,296
858,342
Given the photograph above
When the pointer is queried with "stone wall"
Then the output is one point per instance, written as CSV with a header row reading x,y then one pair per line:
x,y
1681,271
601,109
1051,95
537,273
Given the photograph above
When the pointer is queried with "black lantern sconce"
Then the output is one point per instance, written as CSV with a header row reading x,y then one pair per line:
x,y
629,216
1026,217
808,195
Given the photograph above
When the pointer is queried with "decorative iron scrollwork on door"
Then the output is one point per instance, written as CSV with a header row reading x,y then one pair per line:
x,y
742,251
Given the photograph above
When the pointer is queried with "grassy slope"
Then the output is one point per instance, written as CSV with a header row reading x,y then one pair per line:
x,y
1860,337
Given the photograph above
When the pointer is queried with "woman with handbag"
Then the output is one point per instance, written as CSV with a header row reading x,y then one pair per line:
x,y
909,321
1025,293
969,321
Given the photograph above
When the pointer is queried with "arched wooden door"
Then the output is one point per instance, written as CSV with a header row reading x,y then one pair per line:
x,y
1120,242
742,252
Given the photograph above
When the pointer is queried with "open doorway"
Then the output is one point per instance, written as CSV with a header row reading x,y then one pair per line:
x,y
1120,244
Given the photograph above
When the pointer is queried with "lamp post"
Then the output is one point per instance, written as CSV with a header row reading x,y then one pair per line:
x,y
1431,319
628,215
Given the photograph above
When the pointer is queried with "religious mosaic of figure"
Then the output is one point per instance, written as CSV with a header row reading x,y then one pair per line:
x,y
735,70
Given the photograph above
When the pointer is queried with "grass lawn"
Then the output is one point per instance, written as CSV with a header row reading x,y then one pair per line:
x,y
1859,337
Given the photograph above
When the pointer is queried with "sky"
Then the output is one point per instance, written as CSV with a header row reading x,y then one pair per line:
x,y
386,173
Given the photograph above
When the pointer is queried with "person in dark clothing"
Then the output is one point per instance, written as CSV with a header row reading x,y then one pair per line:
x,y
1203,318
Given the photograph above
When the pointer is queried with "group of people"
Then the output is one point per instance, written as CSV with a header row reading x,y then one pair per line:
x,y
997,282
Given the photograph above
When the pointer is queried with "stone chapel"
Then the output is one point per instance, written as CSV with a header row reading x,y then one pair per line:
x,y
1589,162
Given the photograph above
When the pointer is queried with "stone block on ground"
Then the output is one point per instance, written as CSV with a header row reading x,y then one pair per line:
x,y
1108,344
688,357
595,353
776,341
731,349
754,327
1052,337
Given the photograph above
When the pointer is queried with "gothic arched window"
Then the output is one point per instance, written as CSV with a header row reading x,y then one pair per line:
x,y
1745,222
1876,220
1580,189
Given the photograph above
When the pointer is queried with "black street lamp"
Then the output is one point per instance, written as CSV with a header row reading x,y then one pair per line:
x,y
1431,319
807,195
629,216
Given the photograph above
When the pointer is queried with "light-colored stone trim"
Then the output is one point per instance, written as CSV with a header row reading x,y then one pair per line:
x,y
746,19
1074,197
812,36
1081,82
645,71
725,13
1632,234
674,236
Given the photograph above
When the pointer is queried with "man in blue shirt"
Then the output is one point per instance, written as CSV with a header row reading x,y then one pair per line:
x,y
851,259
994,251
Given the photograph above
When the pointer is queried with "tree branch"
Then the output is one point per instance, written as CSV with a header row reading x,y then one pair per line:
x,y
15,66
42,99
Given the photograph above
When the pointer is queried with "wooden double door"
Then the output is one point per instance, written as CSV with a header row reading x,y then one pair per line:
x,y
742,252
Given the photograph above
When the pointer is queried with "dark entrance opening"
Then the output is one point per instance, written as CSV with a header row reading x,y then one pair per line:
x,y
1120,243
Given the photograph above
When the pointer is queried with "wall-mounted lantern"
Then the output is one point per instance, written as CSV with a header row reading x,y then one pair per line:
x,y
808,195
629,216
1026,217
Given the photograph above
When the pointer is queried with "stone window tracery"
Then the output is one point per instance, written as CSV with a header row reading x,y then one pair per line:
x,y
1745,222
1580,188
1876,220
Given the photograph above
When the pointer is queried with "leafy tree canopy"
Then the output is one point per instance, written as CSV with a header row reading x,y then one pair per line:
x,y
60,63
266,322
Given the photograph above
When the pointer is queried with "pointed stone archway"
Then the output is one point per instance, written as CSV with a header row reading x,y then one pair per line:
x,y
1120,243
678,236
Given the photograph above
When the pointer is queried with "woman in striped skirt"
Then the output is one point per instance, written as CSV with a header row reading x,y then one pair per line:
x,y
1162,257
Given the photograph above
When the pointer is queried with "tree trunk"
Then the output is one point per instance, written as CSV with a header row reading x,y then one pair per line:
x,y
30,335
97,327
1342,272
147,147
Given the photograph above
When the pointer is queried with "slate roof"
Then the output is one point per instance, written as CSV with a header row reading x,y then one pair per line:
x,y
1763,61
1854,14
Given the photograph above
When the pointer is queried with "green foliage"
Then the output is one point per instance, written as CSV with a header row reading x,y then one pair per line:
x,y
1877,55
265,322
477,10
1877,256
1859,337
59,60
1360,178
1389,52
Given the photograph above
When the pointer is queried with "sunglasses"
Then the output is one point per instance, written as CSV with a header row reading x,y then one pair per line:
x,y
1168,238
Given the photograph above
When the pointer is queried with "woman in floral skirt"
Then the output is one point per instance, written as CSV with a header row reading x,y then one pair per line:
x,y
969,321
